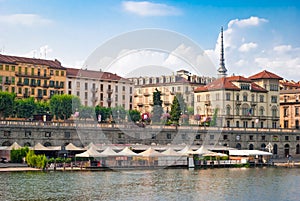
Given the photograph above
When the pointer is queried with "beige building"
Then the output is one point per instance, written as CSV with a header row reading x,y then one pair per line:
x,y
31,77
289,104
100,88
183,82
241,102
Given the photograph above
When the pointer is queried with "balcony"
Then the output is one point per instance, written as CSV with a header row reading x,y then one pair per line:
x,y
18,74
94,99
26,95
109,100
207,103
246,117
238,102
167,103
253,103
33,84
7,82
146,94
45,85
20,84
140,104
228,116
262,117
40,96
110,91
275,118
135,94
94,90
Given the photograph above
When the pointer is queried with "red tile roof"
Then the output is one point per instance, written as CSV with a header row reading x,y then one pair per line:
x,y
74,72
225,83
15,60
265,75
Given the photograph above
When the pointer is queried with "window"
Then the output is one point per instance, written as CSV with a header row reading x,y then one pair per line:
x,y
6,133
252,98
47,134
251,137
228,124
13,68
62,73
198,137
211,137
77,84
86,86
245,97
70,85
198,98
116,98
297,111
51,83
286,138
101,87
67,134
261,124
7,67
153,136
32,71
1,67
273,99
261,98
123,97
245,86
225,137
263,138
227,110
297,138
27,133
273,87
123,88
228,96
169,136
245,124
274,112
116,89
130,90
85,95
246,110
261,111
217,96
57,73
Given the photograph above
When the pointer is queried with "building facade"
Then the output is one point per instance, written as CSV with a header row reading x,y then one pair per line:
x,y
290,104
183,82
237,101
30,77
100,88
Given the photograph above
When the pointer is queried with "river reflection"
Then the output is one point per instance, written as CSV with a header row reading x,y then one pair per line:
x,y
167,184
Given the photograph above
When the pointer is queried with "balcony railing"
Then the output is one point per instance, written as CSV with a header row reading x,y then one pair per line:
x,y
246,117
238,102
109,91
18,74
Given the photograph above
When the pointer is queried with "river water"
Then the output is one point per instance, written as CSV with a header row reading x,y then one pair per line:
x,y
167,184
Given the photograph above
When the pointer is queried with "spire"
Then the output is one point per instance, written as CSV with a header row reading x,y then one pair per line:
x,y
222,70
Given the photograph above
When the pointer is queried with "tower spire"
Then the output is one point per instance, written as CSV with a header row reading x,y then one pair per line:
x,y
222,69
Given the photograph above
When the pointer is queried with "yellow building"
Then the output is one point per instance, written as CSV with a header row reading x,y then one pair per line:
x,y
289,104
31,77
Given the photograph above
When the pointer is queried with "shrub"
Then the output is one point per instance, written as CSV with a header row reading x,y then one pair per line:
x,y
17,155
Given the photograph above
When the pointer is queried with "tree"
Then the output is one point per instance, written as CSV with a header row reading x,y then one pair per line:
x,y
42,107
17,155
134,115
175,110
86,112
213,122
6,104
25,108
181,101
63,106
118,113
103,111
157,106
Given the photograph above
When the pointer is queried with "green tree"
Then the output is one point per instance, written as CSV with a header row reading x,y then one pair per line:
x,y
134,115
118,113
17,155
25,108
182,103
86,112
157,106
63,106
6,104
213,122
42,107
103,111
175,110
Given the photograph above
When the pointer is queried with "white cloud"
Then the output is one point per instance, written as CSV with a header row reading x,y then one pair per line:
x,y
282,48
247,47
252,21
24,19
146,8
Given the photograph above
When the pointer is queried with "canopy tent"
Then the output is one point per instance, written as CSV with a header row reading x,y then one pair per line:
x,y
127,152
202,150
109,152
150,152
214,154
40,147
249,153
72,147
185,150
171,152
15,145
91,152
92,145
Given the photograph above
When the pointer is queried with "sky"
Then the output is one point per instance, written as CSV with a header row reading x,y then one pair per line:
x,y
258,35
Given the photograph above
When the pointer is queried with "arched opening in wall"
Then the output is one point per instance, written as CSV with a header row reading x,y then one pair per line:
x,y
298,149
251,147
225,145
27,144
6,143
263,146
286,150
47,144
297,124
275,149
238,146
66,144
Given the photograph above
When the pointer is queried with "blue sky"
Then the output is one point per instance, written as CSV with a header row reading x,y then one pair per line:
x,y
257,34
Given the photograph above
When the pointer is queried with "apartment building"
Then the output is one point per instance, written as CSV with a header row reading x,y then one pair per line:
x,y
31,77
100,88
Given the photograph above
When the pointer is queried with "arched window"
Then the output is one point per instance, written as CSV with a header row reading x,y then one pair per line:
x,y
27,144
251,147
228,110
238,146
245,97
286,149
263,146
261,111
245,109
47,144
275,148
298,149
6,143
274,111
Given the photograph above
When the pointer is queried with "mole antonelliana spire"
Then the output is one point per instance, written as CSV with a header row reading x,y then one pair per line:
x,y
222,70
